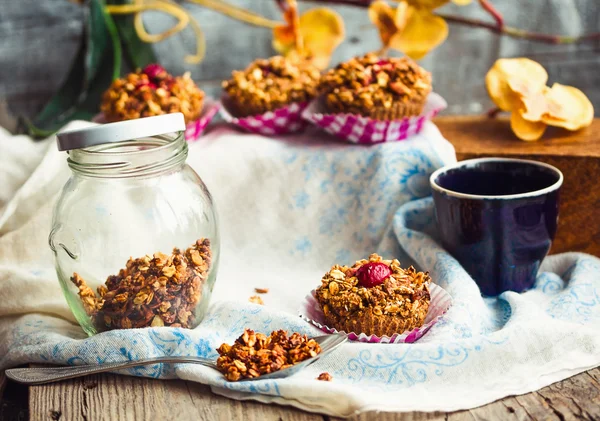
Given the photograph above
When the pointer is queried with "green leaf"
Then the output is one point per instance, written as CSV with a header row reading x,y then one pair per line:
x,y
52,127
137,52
97,63
103,36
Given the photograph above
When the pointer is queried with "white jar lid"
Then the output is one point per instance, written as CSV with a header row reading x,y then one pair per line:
x,y
120,131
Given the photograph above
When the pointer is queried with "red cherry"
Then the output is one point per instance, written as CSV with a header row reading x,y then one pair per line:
x,y
383,65
154,71
372,274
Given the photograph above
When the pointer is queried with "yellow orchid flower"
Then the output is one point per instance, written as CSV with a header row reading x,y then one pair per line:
x,y
568,107
519,86
314,35
525,77
411,28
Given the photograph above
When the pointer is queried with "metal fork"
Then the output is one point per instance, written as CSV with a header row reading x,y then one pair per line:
x,y
41,375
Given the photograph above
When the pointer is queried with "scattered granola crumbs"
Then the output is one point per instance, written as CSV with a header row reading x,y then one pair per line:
x,y
256,300
326,377
254,354
151,291
261,290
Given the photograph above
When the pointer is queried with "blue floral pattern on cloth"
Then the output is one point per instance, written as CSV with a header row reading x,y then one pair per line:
x,y
356,200
344,187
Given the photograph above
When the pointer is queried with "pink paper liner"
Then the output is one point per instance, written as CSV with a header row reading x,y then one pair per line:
x,y
311,312
283,120
365,130
194,129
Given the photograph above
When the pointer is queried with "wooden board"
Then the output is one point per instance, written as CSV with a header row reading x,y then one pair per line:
x,y
577,155
111,397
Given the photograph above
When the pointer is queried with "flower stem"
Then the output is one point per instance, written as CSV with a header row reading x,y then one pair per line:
x,y
497,27
383,52
488,7
173,10
493,112
358,3
521,33
282,4
238,13
292,11
164,6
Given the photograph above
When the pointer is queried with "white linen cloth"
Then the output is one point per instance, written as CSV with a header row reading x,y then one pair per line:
x,y
290,208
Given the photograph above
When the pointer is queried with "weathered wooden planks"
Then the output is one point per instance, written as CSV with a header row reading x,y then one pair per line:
x,y
577,155
111,397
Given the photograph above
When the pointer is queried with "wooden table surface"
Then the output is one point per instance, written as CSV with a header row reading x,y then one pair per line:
x,y
111,397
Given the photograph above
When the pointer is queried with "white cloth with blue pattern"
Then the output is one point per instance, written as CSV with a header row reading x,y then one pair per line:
x,y
289,209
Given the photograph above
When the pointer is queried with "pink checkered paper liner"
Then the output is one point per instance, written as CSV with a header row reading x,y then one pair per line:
x,y
365,130
283,120
440,301
193,129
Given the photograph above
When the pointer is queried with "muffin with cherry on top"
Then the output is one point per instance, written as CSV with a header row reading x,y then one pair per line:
x,y
374,297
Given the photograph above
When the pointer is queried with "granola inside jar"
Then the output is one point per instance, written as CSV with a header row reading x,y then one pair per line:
x,y
134,231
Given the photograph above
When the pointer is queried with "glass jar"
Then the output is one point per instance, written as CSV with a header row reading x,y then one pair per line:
x,y
134,232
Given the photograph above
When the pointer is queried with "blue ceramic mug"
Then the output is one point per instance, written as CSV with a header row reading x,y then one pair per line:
x,y
498,217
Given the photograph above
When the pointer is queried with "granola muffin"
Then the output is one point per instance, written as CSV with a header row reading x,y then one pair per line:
x,y
380,88
151,92
375,297
268,84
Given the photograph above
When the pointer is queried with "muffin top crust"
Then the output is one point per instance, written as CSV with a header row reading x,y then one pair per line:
x,y
370,81
376,285
150,92
272,83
